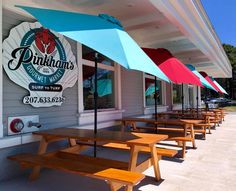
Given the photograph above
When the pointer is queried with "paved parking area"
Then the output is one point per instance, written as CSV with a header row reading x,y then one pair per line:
x,y
211,167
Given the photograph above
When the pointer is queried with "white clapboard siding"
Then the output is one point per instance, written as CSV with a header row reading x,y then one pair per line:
x,y
51,117
132,92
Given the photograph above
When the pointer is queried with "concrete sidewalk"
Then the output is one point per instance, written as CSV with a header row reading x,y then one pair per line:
x,y
211,167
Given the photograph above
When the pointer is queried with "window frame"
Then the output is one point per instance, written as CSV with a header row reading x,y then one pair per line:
x,y
177,103
1,76
145,75
105,67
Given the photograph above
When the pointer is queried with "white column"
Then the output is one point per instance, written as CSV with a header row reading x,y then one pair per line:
x,y
80,80
185,96
144,97
199,97
118,87
163,93
1,75
195,96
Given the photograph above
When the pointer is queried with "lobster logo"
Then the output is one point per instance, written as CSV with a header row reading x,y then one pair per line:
x,y
45,41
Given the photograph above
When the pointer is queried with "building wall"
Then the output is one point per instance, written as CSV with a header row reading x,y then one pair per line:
x,y
132,92
51,117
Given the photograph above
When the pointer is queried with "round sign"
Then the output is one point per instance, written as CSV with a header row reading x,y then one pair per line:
x,y
40,61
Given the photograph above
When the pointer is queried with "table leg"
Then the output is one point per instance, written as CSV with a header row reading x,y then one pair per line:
x,y
193,136
72,142
155,163
183,149
115,186
133,158
123,126
42,150
129,188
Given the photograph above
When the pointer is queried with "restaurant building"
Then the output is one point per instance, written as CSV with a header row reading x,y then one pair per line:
x,y
66,97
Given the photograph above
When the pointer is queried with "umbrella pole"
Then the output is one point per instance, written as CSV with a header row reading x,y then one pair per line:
x,y
155,96
95,102
197,101
182,97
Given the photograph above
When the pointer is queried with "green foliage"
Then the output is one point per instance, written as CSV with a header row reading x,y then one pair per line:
x,y
231,53
230,83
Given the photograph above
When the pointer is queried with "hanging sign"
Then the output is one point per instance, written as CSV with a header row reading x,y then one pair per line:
x,y
40,61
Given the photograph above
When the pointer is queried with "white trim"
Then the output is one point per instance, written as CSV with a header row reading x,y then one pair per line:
x,y
118,102
172,86
100,65
151,110
182,14
101,125
163,92
99,110
1,75
199,96
163,89
191,88
171,95
149,76
117,84
176,106
87,118
80,78
102,112
186,96
17,140
144,97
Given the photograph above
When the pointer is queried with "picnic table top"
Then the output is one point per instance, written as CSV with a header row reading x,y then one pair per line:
x,y
167,121
129,138
202,113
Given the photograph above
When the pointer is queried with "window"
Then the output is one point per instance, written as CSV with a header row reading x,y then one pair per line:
x,y
150,91
105,82
177,93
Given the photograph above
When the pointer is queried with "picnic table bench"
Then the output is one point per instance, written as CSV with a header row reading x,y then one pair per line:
x,y
100,168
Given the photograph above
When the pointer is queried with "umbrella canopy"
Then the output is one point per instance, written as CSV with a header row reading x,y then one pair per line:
x,y
176,71
102,33
204,74
218,85
204,82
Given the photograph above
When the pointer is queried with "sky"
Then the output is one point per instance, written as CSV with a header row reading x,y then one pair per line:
x,y
222,14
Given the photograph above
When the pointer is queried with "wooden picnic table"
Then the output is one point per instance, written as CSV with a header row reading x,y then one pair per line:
x,y
209,119
186,123
136,142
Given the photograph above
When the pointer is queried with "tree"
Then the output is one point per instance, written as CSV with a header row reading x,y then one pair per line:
x,y
230,83
231,53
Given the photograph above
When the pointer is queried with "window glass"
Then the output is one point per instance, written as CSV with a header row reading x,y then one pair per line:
x,y
177,93
89,54
105,87
150,92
